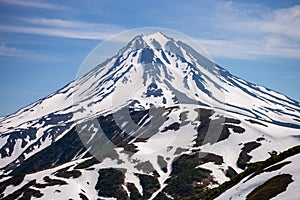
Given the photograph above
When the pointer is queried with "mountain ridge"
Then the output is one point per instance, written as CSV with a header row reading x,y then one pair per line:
x,y
155,107
221,70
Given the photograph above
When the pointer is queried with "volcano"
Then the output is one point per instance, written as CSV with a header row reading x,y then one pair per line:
x,y
156,121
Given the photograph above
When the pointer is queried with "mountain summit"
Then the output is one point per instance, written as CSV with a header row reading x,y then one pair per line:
x,y
156,121
162,71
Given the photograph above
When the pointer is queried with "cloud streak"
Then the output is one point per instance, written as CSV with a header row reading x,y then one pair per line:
x,y
239,32
60,23
56,32
252,32
9,51
33,4
64,28
250,49
284,21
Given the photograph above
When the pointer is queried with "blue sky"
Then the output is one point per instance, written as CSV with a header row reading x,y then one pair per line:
x,y
43,43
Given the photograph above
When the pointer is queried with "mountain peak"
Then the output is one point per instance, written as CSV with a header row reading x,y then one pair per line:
x,y
158,112
156,37
155,40
156,34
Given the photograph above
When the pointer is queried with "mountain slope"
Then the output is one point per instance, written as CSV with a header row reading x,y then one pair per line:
x,y
156,116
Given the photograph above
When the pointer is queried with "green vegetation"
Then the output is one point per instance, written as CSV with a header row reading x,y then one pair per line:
x,y
210,157
50,182
25,192
269,169
134,193
161,196
189,182
191,161
271,187
15,180
110,182
64,173
86,164
149,183
58,153
230,172
278,166
252,168
244,158
187,179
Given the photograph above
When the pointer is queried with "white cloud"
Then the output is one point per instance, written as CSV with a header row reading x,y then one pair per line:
x,y
289,77
55,22
33,4
9,51
251,31
284,21
250,48
59,28
56,32
63,28
239,31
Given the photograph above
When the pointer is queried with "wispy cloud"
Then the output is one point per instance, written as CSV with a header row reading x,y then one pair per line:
x,y
55,27
260,20
251,49
63,28
251,31
289,77
239,31
33,4
56,22
56,32
9,51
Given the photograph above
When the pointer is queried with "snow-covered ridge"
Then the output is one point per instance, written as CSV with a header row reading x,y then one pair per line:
x,y
152,70
175,68
152,73
169,144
